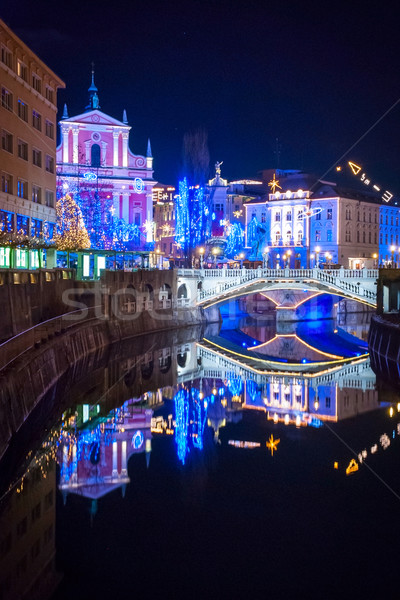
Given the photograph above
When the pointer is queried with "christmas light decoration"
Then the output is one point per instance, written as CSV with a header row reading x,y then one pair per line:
x,y
181,401
192,217
356,169
235,240
71,231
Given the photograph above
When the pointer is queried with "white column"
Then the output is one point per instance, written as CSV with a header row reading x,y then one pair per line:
x,y
103,153
124,471
115,139
65,131
149,216
125,136
125,207
115,459
87,151
116,205
75,153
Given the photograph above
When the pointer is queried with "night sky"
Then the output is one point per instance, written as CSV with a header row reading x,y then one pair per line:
x,y
312,74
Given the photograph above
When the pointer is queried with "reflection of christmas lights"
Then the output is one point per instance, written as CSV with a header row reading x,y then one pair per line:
x,y
243,444
272,444
356,169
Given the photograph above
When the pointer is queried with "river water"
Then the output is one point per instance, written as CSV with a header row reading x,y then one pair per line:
x,y
252,459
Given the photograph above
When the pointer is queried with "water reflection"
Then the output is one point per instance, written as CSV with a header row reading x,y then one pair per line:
x,y
200,394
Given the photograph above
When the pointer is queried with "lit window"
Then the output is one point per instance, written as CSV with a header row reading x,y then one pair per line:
x,y
6,99
36,194
329,214
50,198
6,183
22,110
329,235
22,189
22,70
37,120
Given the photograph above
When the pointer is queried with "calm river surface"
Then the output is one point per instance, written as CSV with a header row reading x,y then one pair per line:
x,y
255,459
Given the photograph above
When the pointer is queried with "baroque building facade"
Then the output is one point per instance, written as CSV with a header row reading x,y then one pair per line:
x,y
96,165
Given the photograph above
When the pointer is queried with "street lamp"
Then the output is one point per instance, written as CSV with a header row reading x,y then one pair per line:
x,y
328,258
289,253
201,252
215,252
284,257
375,257
317,251
392,250
312,256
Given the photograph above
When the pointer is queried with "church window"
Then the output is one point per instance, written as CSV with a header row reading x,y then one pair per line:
x,y
95,156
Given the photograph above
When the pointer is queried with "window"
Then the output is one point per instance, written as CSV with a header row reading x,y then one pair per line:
x,y
288,216
348,236
50,94
50,129
288,235
299,236
300,214
22,150
277,217
370,217
363,237
49,164
329,235
36,512
48,534
381,238
35,549
327,402
387,220
6,183
95,159
318,216
137,219
36,194
358,236
7,141
36,227
364,217
381,219
50,198
6,57
263,217
386,238
317,236
36,83
6,220
22,188
369,237
22,110
36,157
329,214
391,220
37,120
22,70
6,99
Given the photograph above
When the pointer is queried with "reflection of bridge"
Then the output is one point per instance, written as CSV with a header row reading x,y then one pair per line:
x,y
356,374
208,286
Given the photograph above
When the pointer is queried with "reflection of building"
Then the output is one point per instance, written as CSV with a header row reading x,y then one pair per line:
x,y
94,461
28,131
27,538
94,162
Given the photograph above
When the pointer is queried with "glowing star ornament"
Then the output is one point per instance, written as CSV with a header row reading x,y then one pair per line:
x,y
272,444
273,184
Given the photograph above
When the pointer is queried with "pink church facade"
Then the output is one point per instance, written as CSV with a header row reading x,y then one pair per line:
x,y
94,158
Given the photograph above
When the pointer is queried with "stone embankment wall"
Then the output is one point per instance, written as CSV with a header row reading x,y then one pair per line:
x,y
122,315
384,347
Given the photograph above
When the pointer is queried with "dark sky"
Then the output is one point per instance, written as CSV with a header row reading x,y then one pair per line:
x,y
315,75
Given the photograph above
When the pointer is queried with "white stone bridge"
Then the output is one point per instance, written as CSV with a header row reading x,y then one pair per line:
x,y
205,287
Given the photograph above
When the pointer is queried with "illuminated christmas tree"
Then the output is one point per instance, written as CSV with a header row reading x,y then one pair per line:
x,y
71,231
235,240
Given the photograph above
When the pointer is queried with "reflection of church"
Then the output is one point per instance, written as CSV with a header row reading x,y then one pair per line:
x,y
94,460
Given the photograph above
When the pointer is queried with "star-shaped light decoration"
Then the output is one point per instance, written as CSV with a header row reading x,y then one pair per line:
x,y
272,444
237,213
273,184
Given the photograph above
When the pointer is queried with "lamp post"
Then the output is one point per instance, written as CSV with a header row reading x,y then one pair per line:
x,y
312,257
328,258
214,253
266,257
289,254
393,250
317,251
201,252
375,257
284,257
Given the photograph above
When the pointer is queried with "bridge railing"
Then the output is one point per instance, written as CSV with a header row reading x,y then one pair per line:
x,y
342,279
